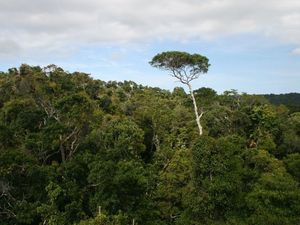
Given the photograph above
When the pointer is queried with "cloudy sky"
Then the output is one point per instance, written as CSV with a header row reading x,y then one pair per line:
x,y
253,46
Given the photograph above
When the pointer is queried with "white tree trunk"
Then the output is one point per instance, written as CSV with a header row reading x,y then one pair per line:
x,y
198,116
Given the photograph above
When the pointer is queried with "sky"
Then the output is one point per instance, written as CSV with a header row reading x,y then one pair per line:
x,y
253,46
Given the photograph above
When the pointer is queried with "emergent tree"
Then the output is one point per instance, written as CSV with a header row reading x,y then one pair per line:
x,y
186,68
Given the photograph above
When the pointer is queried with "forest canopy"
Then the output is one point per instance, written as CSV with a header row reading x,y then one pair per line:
x,y
76,150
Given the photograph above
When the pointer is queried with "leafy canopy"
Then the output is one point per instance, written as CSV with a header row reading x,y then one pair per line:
x,y
182,65
79,151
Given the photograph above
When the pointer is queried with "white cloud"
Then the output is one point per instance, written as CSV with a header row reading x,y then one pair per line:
x,y
296,51
9,47
50,25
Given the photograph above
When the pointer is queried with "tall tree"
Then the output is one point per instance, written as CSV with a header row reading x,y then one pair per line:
x,y
186,68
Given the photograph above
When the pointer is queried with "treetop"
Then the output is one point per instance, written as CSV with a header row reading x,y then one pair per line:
x,y
176,60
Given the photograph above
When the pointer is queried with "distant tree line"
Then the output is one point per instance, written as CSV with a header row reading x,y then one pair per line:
x,y
291,100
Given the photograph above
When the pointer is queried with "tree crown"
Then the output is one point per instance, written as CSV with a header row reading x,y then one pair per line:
x,y
182,65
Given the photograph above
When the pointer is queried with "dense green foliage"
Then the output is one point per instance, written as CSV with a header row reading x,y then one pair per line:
x,y
71,145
